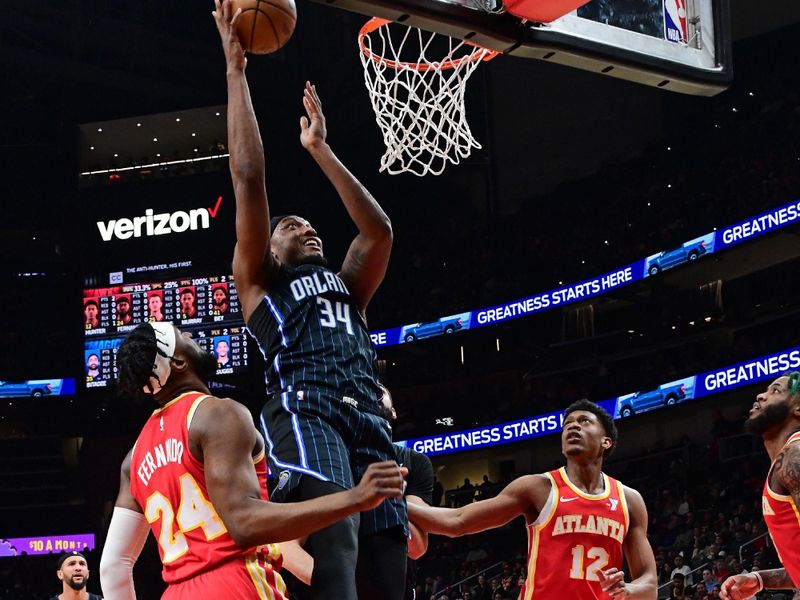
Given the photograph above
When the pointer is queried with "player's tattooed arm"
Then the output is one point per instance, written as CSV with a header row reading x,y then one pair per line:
x,y
787,471
366,261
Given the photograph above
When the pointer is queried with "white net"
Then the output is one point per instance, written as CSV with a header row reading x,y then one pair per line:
x,y
419,100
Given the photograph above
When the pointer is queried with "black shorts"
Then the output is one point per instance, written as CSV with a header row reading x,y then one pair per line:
x,y
310,434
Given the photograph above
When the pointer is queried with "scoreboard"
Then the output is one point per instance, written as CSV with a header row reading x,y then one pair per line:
x,y
207,307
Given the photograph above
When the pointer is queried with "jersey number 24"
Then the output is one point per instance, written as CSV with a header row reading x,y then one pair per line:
x,y
194,511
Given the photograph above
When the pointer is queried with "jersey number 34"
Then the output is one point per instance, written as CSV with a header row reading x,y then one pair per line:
x,y
333,313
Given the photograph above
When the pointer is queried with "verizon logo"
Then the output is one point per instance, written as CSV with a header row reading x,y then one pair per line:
x,y
158,224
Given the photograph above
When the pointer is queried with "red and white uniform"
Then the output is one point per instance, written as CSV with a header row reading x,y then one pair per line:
x,y
199,556
782,516
576,536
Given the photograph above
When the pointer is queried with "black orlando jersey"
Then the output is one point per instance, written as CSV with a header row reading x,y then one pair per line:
x,y
313,337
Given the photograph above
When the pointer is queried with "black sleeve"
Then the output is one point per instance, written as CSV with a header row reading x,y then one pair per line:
x,y
420,477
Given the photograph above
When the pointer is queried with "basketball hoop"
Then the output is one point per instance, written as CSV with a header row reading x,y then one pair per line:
x,y
419,102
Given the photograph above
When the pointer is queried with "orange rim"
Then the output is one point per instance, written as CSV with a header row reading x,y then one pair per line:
x,y
376,23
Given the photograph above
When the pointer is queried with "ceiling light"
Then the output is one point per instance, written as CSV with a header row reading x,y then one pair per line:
x,y
91,147
178,120
138,124
194,134
155,139
100,130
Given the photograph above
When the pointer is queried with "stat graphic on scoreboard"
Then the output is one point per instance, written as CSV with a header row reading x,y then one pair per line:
x,y
206,307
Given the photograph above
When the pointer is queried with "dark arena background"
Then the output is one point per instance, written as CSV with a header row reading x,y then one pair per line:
x,y
610,240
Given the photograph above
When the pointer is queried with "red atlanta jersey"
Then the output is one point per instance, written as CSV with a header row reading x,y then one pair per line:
x,y
576,536
782,516
170,486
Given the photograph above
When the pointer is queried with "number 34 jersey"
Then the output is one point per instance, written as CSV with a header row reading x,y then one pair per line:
x,y
313,336
576,536
168,482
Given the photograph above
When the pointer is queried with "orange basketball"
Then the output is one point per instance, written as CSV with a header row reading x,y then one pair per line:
x,y
265,25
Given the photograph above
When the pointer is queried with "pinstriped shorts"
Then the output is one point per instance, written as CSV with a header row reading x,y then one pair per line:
x,y
310,434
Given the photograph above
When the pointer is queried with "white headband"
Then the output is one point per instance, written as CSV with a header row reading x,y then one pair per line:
x,y
165,340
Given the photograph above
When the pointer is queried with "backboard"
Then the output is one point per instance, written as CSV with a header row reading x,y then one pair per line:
x,y
678,45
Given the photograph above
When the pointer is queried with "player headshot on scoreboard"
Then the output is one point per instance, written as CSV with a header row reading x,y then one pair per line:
x,y
222,348
124,316
219,299
155,305
92,365
90,314
188,303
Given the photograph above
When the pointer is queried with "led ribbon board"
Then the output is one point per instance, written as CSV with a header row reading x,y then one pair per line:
x,y
680,391
46,544
699,247
35,388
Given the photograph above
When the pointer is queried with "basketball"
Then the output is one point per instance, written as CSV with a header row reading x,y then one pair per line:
x,y
265,25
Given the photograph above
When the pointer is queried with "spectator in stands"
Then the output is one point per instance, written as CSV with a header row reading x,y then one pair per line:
x,y
683,569
510,591
73,571
485,489
708,581
438,492
466,493
720,572
737,568
476,553
482,590
677,588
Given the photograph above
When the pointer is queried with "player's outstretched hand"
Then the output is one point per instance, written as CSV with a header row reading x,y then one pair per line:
x,y
380,481
740,587
312,127
613,582
225,19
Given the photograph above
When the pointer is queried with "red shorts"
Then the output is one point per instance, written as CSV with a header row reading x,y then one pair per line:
x,y
248,579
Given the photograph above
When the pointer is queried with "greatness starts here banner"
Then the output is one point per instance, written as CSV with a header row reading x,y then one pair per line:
x,y
650,266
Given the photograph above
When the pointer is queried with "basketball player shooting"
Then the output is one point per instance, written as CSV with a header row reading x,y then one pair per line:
x,y
321,422
197,477
580,522
775,416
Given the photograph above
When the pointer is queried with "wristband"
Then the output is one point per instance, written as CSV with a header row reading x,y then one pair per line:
x,y
760,581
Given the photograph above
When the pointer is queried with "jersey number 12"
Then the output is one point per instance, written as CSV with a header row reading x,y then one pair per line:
x,y
599,558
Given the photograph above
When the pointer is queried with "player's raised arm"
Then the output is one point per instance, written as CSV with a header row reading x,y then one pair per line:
x,y
226,436
127,534
787,473
638,553
253,264
366,261
516,499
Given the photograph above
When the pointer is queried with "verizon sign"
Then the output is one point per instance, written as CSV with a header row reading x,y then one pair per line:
x,y
151,223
